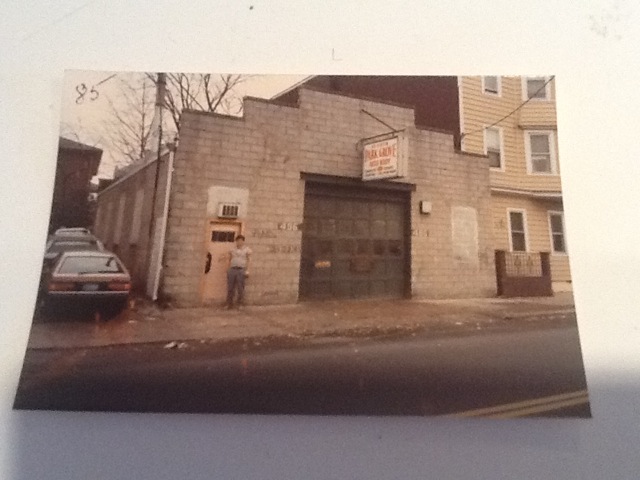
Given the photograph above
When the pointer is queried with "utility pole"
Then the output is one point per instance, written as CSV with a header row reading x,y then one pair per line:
x,y
155,255
161,86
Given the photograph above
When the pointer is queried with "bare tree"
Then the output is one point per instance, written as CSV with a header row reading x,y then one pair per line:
x,y
202,92
130,117
132,112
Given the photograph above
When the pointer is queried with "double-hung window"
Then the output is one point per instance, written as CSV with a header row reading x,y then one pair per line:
x,y
556,230
491,85
493,147
541,152
518,230
536,88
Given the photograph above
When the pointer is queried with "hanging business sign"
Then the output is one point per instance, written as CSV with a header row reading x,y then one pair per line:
x,y
384,156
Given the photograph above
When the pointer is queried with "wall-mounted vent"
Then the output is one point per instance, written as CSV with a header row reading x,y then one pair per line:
x,y
228,210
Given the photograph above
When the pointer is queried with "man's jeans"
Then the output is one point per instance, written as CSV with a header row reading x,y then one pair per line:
x,y
235,280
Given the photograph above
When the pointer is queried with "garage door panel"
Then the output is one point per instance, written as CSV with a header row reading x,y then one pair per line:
x,y
341,289
378,288
379,268
360,288
341,268
344,228
361,209
327,227
352,247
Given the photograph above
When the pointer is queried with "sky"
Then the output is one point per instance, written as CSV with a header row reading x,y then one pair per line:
x,y
85,110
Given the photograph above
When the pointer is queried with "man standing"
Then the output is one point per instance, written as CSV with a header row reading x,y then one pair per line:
x,y
237,271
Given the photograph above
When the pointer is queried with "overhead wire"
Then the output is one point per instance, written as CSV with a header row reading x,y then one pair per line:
x,y
480,130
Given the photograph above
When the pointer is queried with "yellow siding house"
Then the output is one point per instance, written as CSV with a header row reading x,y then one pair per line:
x,y
513,121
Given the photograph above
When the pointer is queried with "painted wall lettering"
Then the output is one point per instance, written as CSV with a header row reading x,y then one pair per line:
x,y
284,249
288,226
263,233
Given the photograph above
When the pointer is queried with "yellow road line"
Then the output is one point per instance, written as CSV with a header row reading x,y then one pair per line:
x,y
538,404
543,408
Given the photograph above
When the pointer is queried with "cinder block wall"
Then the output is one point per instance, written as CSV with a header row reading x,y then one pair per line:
x,y
129,237
265,152
452,181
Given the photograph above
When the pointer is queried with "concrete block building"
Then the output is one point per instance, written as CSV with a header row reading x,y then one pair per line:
x,y
512,120
293,179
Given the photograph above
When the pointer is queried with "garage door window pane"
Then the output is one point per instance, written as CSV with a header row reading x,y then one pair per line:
x,y
364,247
379,247
395,248
346,247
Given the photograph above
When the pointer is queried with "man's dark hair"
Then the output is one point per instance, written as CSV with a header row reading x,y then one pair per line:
x,y
240,237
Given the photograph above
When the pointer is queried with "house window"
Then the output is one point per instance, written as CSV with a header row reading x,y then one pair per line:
x,y
540,150
493,146
556,228
536,88
491,85
517,230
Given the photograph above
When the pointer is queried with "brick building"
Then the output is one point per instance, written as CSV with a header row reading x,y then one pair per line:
x,y
289,177
77,163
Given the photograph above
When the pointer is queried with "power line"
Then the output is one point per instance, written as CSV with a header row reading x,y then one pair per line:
x,y
513,111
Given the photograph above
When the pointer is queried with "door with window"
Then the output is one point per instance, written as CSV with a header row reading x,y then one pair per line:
x,y
220,240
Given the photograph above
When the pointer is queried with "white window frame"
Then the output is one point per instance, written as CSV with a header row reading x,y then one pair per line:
x,y
501,139
547,89
552,151
498,83
524,224
564,233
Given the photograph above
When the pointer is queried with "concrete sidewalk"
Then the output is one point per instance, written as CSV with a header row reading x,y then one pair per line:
x,y
147,323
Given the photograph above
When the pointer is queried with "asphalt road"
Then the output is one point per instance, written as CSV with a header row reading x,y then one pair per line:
x,y
516,373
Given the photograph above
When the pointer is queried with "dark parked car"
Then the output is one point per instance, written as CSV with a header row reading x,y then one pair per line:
x,y
67,242
72,231
97,277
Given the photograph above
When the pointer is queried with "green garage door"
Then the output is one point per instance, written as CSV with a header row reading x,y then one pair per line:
x,y
353,244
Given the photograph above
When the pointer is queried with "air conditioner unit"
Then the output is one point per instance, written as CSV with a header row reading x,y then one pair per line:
x,y
228,210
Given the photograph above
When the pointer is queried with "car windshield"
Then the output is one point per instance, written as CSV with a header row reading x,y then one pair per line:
x,y
68,246
87,265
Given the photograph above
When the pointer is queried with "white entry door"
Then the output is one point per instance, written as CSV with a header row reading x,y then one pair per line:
x,y
220,240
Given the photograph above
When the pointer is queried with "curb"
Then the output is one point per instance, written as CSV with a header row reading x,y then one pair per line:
x,y
445,326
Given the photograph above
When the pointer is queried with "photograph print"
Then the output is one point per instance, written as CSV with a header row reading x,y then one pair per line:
x,y
310,245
